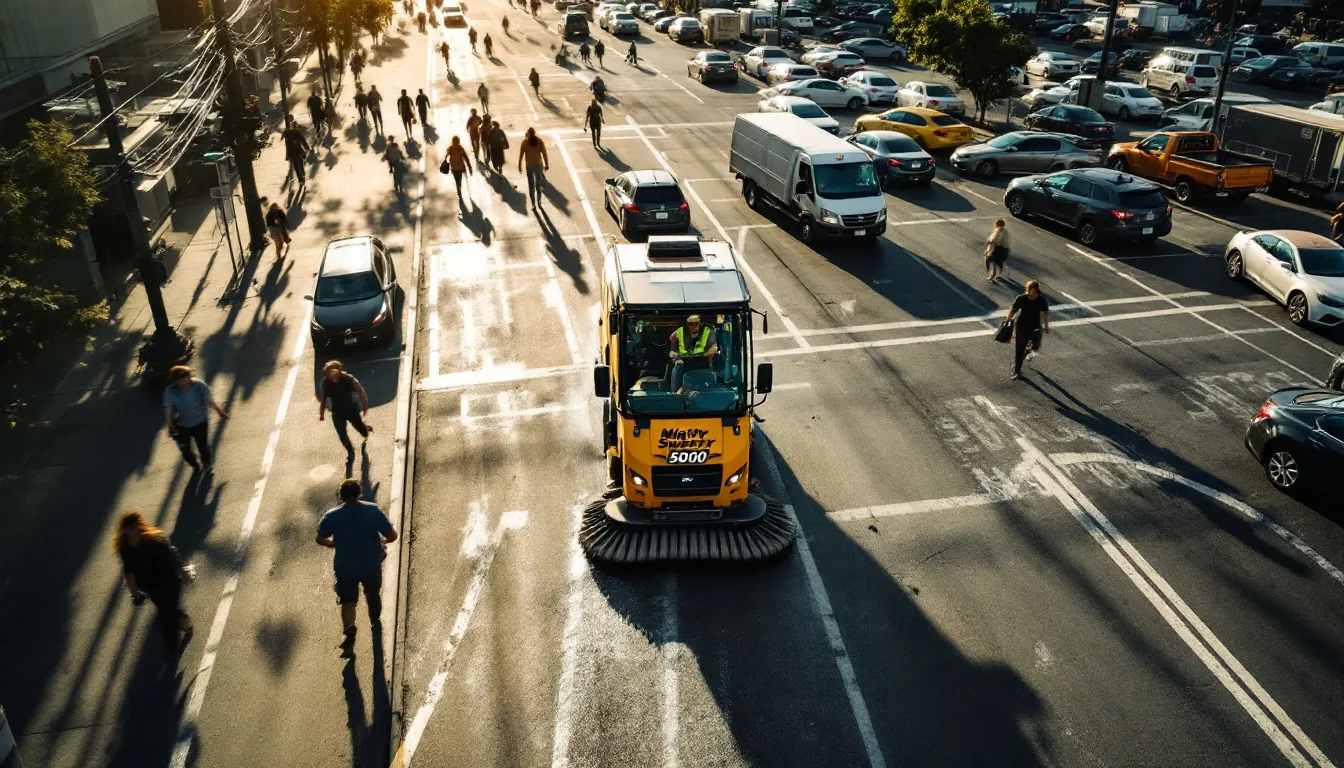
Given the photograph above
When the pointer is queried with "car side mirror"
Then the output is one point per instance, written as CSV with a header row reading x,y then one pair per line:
x,y
802,188
609,182
1011,149
308,297
601,381
765,378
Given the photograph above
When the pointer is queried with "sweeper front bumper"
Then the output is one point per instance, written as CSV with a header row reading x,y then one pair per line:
x,y
614,530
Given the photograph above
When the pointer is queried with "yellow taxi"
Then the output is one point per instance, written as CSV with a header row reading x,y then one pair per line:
x,y
930,128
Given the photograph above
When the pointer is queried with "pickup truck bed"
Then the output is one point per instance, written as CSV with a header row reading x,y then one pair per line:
x,y
1191,163
1220,157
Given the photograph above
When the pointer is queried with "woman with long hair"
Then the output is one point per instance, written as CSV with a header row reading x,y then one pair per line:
x,y
152,568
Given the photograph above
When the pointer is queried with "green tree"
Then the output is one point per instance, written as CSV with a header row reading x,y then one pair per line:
x,y
375,16
962,39
47,193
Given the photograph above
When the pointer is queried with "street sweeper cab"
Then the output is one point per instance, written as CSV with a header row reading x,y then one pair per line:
x,y
675,374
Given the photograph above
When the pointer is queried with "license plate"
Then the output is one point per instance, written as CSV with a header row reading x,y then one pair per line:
x,y
1147,230
350,341
660,215
860,232
916,166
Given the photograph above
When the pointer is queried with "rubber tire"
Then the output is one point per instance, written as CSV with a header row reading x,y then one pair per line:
x,y
807,232
1084,228
1118,164
1302,311
1236,266
1184,190
1016,204
1279,458
750,194
1175,93
987,169
854,104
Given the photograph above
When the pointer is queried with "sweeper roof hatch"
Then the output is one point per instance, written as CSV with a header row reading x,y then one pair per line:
x,y
676,271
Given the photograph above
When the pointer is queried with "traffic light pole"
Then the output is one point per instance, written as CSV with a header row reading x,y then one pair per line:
x,y
233,111
1106,50
1223,72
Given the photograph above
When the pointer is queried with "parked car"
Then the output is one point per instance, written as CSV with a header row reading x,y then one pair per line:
x,y
1045,23
796,19
573,25
1192,164
1025,152
1052,65
849,30
620,23
1242,53
1135,59
1298,437
1073,119
1300,79
354,296
896,157
1259,70
826,93
1093,62
686,30
644,202
653,17
804,108
1266,44
932,95
1304,271
880,88
929,128
1069,32
1177,78
707,66
1197,115
453,17
790,72
1097,204
662,24
872,49
837,65
645,9
758,60
1320,54
1049,94
1130,102
818,50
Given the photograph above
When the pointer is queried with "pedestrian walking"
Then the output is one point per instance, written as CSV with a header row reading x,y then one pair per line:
x,y
593,121
361,102
422,106
396,163
376,108
277,224
152,569
474,126
315,112
407,113
457,162
296,148
632,55
585,52
357,64
598,51
505,22
535,80
532,152
360,533
471,36
329,116
186,415
496,143
996,251
1030,316
489,47
443,51
420,21
483,93
349,403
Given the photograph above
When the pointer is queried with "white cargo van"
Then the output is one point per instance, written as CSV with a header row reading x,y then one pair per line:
x,y
720,25
823,182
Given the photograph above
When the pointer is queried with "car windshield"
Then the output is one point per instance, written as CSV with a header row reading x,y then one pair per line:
x,y
1142,199
709,379
807,110
340,289
801,72
840,181
945,120
900,146
718,57
1061,57
939,90
1322,262
882,81
1002,142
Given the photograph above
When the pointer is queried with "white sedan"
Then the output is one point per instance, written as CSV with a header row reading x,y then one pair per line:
x,y
1050,65
1049,94
880,88
826,93
931,95
802,108
1303,271
1130,102
818,50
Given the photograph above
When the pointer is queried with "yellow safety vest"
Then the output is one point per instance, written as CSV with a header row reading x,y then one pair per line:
x,y
700,344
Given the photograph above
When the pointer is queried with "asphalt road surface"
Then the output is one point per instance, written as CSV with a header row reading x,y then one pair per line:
x,y
1084,567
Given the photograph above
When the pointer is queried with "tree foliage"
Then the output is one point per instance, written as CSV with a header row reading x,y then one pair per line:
x,y
47,193
962,39
374,16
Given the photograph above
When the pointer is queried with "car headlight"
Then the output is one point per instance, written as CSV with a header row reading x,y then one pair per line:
x,y
637,479
316,326
882,214
1330,301
381,316
829,218
737,475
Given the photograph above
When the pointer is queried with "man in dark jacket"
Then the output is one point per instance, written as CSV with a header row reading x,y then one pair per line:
x,y
315,111
296,148
422,105
407,113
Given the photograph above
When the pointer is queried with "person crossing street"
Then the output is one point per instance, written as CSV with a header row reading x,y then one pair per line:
x,y
357,64
152,569
296,149
375,101
361,102
496,143
599,50
483,93
474,133
422,106
593,121
447,65
404,108
458,163
349,403
360,533
505,22
585,54
489,47
1030,315
532,152
471,36
315,112
396,163
187,403
632,55
535,80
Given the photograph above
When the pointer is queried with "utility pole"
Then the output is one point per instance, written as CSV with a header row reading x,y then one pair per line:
x,y
279,61
1216,121
233,111
9,751
165,348
1100,86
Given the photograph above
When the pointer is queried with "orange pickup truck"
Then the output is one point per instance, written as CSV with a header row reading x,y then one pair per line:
x,y
1191,164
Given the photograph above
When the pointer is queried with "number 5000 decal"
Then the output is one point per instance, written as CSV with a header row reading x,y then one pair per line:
x,y
687,457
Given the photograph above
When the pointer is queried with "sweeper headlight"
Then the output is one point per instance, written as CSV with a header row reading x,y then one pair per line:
x,y
736,476
638,479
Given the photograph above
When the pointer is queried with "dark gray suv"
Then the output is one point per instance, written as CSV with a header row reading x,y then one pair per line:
x,y
646,201
1024,152
1097,203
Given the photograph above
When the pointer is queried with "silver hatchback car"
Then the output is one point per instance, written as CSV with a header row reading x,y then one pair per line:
x,y
1026,152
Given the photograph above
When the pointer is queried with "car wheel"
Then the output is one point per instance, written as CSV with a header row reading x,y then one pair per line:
x,y
1017,204
1298,309
1123,114
1185,190
1118,164
987,168
1175,93
1235,265
855,103
807,231
1144,81
749,192
1087,233
1282,467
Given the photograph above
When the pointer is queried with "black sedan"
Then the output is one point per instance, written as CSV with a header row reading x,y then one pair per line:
x,y
354,295
1135,59
1096,203
1300,79
712,65
1093,62
896,157
1045,22
1075,120
1070,32
646,201
1261,69
1298,437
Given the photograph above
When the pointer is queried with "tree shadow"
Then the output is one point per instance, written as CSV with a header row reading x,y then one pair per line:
x,y
389,48
277,639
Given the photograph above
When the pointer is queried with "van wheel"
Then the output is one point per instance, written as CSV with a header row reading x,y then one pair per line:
x,y
1235,265
1175,93
807,231
855,103
749,192
1087,233
1118,164
987,168
1297,308
1185,190
1017,205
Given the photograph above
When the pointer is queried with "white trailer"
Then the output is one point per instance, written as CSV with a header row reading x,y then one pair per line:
x,y
720,25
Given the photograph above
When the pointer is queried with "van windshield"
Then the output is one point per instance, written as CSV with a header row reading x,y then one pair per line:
x,y
845,180
709,377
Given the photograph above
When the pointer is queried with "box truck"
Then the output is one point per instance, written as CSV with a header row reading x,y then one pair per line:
x,y
824,183
1306,146
752,20
721,26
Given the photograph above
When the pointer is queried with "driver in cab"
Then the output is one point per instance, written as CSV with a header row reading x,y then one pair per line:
x,y
693,340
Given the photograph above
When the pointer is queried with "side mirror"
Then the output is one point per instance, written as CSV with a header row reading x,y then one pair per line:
x,y
602,380
765,378
801,189
609,182
308,297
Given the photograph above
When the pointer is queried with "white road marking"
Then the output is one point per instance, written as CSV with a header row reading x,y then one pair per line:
x,y
186,730
499,374
956,220
1195,339
555,299
1253,698
674,82
965,187
1290,331
920,507
431,319
583,196
669,650
792,385
1077,302
475,588
523,89
945,281
821,603
566,693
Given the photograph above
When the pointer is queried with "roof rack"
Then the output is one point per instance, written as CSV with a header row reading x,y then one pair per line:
x,y
674,248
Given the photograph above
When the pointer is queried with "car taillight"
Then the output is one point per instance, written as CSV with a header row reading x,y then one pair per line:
x,y
939,132
933,103
1265,411
895,163
1168,209
685,206
931,162
631,207
1122,215
707,68
1190,79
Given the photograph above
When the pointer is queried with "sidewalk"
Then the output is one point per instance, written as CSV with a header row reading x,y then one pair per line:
x,y
78,663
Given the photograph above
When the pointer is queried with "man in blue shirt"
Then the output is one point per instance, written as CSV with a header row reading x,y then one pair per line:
x,y
186,408
358,532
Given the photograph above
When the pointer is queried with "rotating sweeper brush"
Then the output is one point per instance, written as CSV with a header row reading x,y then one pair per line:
x,y
615,531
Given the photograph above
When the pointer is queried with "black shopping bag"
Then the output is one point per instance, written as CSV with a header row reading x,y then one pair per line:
x,y
1005,332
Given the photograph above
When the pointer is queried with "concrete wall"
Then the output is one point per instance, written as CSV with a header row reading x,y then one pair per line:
x,y
44,35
